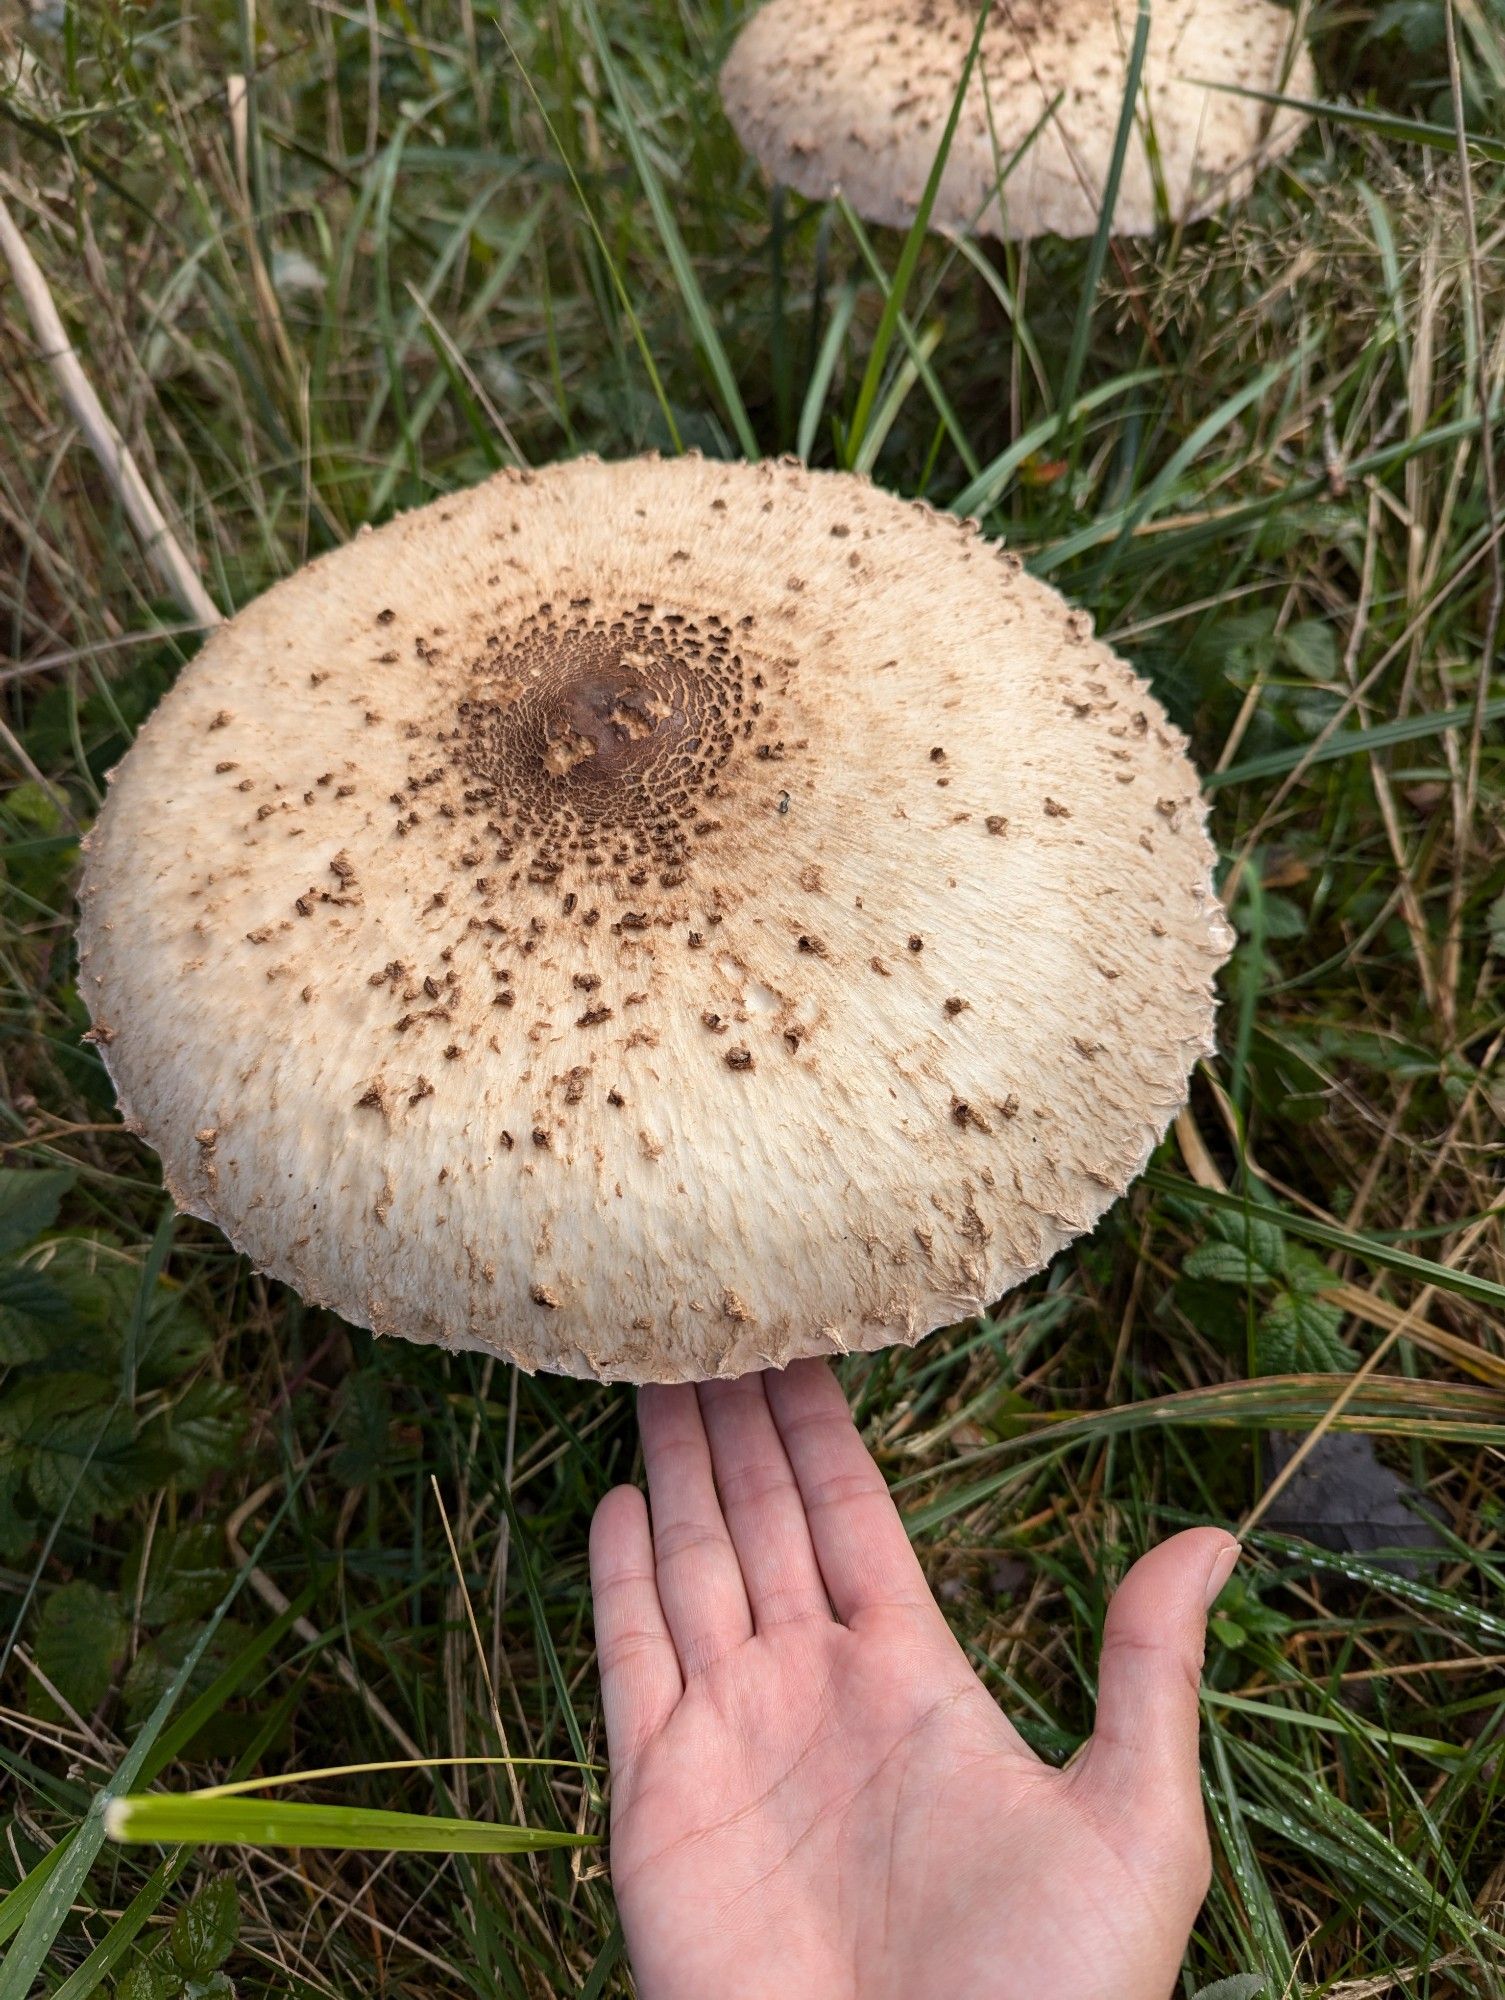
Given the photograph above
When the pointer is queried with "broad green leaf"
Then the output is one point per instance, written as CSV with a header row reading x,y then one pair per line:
x,y
186,1572
23,1290
144,1981
1301,1335
1256,1238
24,1339
1497,925
200,1430
78,1442
158,1661
1283,918
1305,1270
30,1198
1311,647
204,1931
1370,1249
97,1280
1223,1262
80,1635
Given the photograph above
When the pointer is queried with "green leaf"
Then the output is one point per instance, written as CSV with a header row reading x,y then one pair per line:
x,y
1371,1249
1224,1263
204,1931
24,1337
200,1430
216,1987
1305,1270
186,1572
78,1441
23,1290
16,1529
1311,647
159,1661
1497,925
30,1198
80,1635
144,1981
93,1283
909,256
1299,1335
1283,917
1259,1243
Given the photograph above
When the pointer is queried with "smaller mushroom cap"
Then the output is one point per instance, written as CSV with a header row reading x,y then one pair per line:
x,y
853,95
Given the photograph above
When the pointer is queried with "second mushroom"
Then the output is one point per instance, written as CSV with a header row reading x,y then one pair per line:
x,y
854,95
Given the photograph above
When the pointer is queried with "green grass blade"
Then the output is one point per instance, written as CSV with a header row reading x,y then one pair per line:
x,y
640,339
663,215
987,488
819,385
1126,520
1389,1405
909,256
1354,743
1092,277
107,1954
917,368
605,1965
1463,1284
47,1913
1383,124
168,1819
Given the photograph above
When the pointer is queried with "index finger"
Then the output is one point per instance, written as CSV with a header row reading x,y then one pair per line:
x,y
864,1554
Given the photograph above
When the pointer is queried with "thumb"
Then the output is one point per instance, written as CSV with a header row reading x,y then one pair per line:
x,y
1144,1748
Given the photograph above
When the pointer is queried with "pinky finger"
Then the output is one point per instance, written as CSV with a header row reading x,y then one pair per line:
x,y
640,1678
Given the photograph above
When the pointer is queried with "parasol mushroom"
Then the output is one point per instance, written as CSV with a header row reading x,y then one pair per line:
x,y
654,920
855,94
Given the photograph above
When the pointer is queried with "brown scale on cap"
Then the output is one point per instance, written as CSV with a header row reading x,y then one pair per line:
x,y
646,938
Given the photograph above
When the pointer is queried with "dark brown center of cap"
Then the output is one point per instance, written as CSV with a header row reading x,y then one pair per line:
x,y
595,744
605,723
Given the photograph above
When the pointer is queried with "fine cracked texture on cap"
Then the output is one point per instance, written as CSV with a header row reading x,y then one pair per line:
x,y
654,920
855,94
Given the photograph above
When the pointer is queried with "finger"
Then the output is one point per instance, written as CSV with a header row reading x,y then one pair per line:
x,y
764,1512
1143,1752
859,1540
640,1678
699,1580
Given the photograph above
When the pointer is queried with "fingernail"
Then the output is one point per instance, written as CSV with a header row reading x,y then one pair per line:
x,y
1221,1570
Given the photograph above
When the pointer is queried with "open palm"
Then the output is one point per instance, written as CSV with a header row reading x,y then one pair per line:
x,y
812,1794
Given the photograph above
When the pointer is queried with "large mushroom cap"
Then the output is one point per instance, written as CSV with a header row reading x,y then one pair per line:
x,y
855,94
654,920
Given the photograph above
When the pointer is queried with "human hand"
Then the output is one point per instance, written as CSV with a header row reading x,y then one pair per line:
x,y
808,1806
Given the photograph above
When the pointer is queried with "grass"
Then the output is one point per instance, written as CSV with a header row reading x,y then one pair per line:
x,y
238,1539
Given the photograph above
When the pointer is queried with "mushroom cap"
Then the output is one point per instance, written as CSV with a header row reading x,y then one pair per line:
x,y
854,95
654,920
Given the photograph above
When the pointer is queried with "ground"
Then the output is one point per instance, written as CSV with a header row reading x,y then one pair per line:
x,y
322,263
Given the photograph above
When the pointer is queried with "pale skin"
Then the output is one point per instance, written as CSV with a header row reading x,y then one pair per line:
x,y
813,1795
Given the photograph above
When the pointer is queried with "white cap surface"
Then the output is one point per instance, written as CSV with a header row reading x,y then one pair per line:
x,y
654,920
854,95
